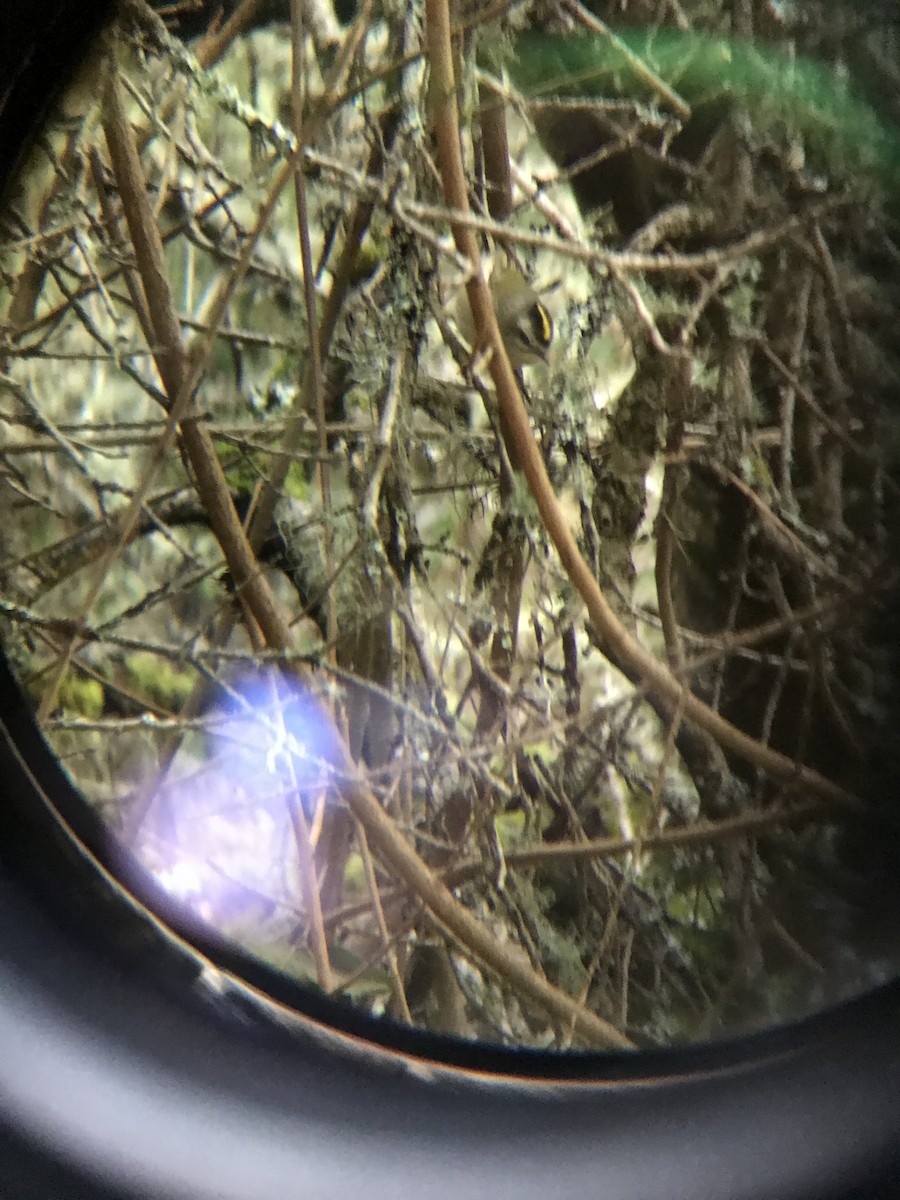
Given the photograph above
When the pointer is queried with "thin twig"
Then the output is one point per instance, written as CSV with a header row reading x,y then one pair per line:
x,y
640,68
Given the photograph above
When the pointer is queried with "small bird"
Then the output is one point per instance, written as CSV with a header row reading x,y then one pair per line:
x,y
525,324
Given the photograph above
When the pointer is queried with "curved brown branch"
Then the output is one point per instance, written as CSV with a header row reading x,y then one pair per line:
x,y
611,632
180,375
755,823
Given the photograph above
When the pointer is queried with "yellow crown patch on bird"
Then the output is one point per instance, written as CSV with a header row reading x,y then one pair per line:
x,y
541,333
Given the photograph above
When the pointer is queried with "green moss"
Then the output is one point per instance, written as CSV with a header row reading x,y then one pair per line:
x,y
159,680
81,697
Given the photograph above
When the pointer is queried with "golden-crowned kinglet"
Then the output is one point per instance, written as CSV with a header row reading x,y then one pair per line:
x,y
525,324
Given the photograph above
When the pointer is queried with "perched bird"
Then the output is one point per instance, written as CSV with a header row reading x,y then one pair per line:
x,y
525,324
